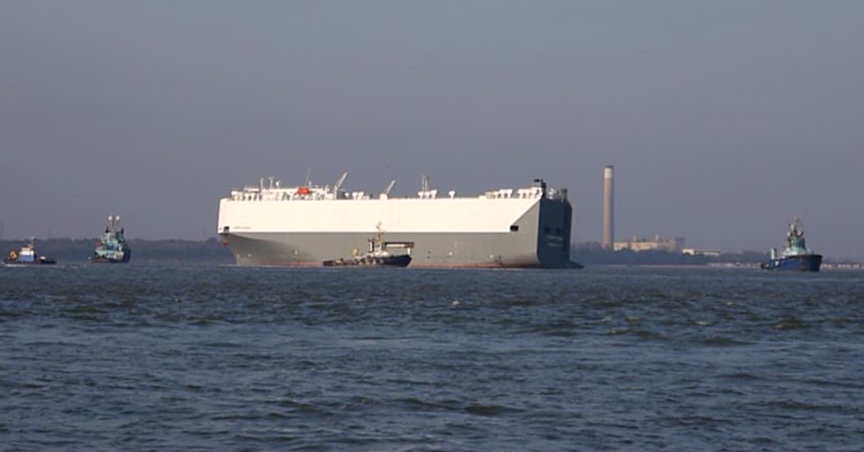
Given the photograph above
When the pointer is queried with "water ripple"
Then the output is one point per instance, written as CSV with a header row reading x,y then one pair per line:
x,y
203,358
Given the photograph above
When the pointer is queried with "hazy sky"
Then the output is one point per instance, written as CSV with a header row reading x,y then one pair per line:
x,y
723,119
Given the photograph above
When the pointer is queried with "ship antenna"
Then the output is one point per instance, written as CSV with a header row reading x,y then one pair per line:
x,y
378,237
424,185
308,175
542,186
338,183
389,187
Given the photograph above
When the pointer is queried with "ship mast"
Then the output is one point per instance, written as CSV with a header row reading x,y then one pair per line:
x,y
338,183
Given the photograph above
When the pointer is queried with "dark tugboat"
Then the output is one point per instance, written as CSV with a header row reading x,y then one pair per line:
x,y
26,255
378,255
795,256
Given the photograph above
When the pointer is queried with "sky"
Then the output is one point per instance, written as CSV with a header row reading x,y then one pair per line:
x,y
722,119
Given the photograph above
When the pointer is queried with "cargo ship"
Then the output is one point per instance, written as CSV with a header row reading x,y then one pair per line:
x,y
795,256
267,224
111,247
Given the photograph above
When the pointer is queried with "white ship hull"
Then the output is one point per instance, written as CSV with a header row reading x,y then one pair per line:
x,y
521,229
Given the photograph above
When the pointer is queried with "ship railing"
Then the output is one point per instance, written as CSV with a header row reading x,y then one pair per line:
x,y
557,195
252,193
281,194
427,194
522,193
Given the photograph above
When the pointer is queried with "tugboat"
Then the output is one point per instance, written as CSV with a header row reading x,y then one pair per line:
x,y
112,247
795,256
378,255
27,255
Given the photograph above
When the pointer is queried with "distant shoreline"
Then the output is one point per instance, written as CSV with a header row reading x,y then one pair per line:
x,y
77,250
212,250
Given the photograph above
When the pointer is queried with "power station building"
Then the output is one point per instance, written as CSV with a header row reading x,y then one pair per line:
x,y
674,245
657,243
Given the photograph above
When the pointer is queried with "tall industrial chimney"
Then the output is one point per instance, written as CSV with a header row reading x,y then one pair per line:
x,y
608,216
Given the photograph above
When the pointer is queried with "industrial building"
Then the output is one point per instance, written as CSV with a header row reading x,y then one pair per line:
x,y
657,243
708,252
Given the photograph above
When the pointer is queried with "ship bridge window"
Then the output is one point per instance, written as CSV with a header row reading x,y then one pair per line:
x,y
225,229
514,228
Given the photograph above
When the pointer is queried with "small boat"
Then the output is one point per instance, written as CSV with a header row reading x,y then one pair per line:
x,y
111,247
27,255
378,255
795,256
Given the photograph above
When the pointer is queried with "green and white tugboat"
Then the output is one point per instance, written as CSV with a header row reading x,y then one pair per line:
x,y
111,247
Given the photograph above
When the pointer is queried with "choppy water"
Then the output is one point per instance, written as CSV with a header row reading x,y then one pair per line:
x,y
228,358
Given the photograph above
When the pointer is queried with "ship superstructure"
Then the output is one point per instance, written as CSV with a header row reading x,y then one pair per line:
x,y
111,246
269,224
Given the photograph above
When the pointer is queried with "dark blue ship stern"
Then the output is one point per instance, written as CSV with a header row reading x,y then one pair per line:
x,y
802,263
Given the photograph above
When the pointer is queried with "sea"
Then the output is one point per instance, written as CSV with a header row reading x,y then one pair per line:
x,y
196,357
